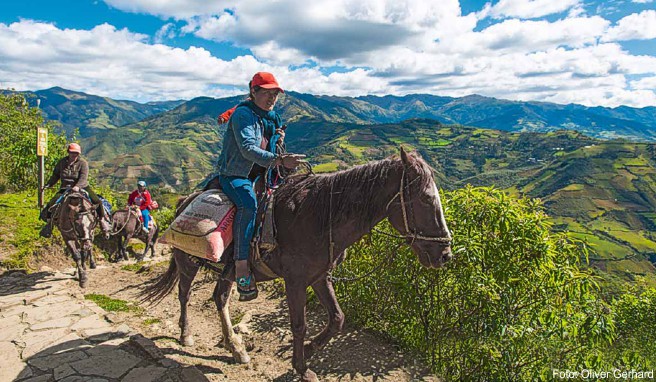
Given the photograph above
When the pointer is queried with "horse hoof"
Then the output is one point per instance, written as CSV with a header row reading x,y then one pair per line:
x,y
187,341
92,266
83,282
309,376
241,356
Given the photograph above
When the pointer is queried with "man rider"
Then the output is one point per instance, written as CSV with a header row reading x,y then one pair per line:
x,y
141,197
73,171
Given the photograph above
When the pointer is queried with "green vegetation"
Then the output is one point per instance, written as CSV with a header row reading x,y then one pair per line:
x,y
19,231
133,267
151,321
515,303
111,304
18,140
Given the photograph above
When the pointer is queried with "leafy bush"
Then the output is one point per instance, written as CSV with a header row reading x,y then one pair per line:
x,y
513,304
164,217
635,317
18,137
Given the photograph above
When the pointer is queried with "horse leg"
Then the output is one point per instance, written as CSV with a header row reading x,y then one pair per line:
x,y
231,340
71,245
187,271
149,243
88,249
153,241
326,294
124,247
296,296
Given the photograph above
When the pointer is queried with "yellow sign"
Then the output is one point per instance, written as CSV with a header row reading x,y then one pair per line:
x,y
42,142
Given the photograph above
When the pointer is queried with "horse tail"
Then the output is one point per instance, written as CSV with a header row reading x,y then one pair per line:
x,y
157,291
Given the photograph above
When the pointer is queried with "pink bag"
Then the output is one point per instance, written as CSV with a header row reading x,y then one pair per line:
x,y
204,228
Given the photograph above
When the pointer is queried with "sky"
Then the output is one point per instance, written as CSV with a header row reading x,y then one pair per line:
x,y
595,53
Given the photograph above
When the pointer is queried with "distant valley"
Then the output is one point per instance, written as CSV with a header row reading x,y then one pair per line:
x,y
594,168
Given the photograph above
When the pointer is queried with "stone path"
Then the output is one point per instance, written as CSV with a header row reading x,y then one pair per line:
x,y
48,332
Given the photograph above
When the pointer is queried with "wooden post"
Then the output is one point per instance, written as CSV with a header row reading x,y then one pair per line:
x,y
41,152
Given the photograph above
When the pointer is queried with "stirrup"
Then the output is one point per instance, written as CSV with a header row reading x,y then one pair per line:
x,y
246,294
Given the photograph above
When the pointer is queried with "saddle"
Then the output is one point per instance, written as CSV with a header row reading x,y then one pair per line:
x,y
55,209
137,213
263,243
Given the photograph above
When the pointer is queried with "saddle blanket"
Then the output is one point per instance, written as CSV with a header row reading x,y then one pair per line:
x,y
204,228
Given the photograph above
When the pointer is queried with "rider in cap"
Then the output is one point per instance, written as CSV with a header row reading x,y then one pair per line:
x,y
141,197
250,140
73,172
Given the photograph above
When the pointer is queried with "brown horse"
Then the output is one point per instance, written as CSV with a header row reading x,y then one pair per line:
x,y
317,218
76,220
126,225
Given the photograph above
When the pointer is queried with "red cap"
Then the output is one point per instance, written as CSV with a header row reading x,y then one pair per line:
x,y
74,148
265,80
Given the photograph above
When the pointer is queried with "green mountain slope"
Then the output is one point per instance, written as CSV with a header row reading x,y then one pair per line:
x,y
91,114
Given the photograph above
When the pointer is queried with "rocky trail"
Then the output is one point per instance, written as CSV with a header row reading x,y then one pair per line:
x,y
49,331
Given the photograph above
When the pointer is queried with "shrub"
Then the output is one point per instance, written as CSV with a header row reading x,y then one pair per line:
x,y
513,304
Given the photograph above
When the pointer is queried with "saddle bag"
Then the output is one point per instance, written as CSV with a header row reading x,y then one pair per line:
x,y
204,227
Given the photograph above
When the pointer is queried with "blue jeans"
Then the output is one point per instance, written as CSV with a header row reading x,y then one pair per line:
x,y
146,217
240,191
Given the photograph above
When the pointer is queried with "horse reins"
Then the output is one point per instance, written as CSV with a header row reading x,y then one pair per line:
x,y
411,234
129,212
73,229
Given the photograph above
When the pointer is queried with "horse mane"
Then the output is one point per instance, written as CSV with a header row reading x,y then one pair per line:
x,y
355,192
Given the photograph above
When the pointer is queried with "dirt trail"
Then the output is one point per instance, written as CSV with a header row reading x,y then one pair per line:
x,y
355,355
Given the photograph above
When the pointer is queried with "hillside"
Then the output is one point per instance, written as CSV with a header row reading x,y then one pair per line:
x,y
90,113
600,189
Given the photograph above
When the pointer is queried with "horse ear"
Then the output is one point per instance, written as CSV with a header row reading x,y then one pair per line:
x,y
404,156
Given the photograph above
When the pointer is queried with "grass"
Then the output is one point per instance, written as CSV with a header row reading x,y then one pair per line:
x,y
325,167
19,230
111,304
133,267
151,321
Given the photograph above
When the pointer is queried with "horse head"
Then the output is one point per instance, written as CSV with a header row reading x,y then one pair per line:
x,y
416,212
80,213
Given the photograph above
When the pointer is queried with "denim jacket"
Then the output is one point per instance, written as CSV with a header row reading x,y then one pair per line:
x,y
241,145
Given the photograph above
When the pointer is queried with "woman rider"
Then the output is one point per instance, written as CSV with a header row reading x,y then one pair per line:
x,y
249,140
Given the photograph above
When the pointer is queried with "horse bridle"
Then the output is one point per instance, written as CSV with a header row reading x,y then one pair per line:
x,y
410,234
77,215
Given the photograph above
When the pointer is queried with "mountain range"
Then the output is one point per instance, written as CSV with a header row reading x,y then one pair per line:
x,y
593,167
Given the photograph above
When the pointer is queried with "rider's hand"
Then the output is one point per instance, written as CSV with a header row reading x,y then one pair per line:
x,y
281,132
290,161
75,189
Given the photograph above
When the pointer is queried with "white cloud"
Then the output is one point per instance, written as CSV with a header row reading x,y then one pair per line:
x,y
642,1
436,51
636,26
529,9
178,9
111,62
167,31
647,83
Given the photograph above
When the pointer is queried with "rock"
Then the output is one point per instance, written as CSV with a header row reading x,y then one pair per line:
x,y
192,374
12,365
242,328
63,322
144,374
111,364
62,372
53,361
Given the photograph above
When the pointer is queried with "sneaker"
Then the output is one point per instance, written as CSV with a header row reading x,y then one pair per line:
x,y
245,281
145,229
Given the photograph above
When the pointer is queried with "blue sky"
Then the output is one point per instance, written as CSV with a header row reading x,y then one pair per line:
x,y
564,51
